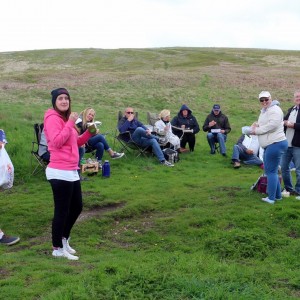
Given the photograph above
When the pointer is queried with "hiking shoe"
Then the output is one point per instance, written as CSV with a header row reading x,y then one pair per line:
x,y
67,247
116,155
9,240
183,150
166,163
294,193
224,154
61,252
212,152
237,164
268,200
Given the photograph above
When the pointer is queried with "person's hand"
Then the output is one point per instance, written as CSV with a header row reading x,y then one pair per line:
x,y
130,117
254,125
148,131
222,131
288,124
249,151
1,143
73,116
212,123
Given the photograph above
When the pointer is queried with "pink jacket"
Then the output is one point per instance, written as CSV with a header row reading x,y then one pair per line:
x,y
63,141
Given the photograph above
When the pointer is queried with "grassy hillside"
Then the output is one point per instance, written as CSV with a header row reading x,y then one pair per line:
x,y
194,231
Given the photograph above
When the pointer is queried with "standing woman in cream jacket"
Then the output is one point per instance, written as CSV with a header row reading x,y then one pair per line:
x,y
271,137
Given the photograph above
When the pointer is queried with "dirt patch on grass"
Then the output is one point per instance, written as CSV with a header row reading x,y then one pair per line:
x,y
99,211
4,273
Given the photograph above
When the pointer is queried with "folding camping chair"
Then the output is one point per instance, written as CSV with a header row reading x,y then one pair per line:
x,y
181,131
152,118
127,143
41,162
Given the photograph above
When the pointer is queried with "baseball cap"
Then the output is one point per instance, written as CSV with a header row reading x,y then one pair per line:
x,y
264,94
216,107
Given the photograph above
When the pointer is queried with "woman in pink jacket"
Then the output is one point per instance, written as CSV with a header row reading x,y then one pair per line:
x,y
63,142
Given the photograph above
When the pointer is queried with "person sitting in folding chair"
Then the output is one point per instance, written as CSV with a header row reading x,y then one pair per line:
x,y
217,126
141,135
163,125
185,126
96,142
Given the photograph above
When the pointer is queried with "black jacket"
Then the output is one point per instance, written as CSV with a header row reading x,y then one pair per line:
x,y
190,121
220,119
296,138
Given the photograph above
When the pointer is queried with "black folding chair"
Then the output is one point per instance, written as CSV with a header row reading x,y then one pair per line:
x,y
41,162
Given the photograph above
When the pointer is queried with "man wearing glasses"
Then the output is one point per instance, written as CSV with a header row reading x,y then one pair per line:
x,y
141,135
292,131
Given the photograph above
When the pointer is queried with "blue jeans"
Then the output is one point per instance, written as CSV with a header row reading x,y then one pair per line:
x,y
221,138
291,154
98,143
248,159
272,157
142,139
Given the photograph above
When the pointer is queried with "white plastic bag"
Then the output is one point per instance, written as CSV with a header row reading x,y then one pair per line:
x,y
6,170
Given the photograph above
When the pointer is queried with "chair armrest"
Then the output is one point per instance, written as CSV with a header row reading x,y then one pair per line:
x,y
177,128
125,136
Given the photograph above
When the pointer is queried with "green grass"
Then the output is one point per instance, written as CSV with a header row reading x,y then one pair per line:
x,y
194,231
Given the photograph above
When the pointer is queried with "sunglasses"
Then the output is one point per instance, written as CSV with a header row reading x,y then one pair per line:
x,y
129,112
264,99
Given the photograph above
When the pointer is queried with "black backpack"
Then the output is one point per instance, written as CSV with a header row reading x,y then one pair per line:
x,y
172,156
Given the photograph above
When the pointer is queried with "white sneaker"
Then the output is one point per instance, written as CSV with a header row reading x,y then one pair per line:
x,y
166,163
61,252
67,247
117,155
268,200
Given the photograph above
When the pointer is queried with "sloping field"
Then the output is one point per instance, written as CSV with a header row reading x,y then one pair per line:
x,y
194,231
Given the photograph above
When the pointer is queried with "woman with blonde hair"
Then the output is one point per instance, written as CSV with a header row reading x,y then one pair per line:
x,y
96,142
164,126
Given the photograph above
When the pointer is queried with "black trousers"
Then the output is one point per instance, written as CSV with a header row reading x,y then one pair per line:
x,y
190,139
67,207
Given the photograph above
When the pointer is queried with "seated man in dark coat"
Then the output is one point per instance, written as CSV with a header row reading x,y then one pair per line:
x,y
185,121
217,126
141,135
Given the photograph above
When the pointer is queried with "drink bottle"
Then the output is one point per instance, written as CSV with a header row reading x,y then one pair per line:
x,y
106,169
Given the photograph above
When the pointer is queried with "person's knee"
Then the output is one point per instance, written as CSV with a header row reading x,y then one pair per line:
x,y
209,136
139,130
99,146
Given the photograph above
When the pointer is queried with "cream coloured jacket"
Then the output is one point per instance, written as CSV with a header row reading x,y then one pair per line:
x,y
270,126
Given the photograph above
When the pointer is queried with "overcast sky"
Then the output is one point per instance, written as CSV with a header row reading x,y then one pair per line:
x,y
110,24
